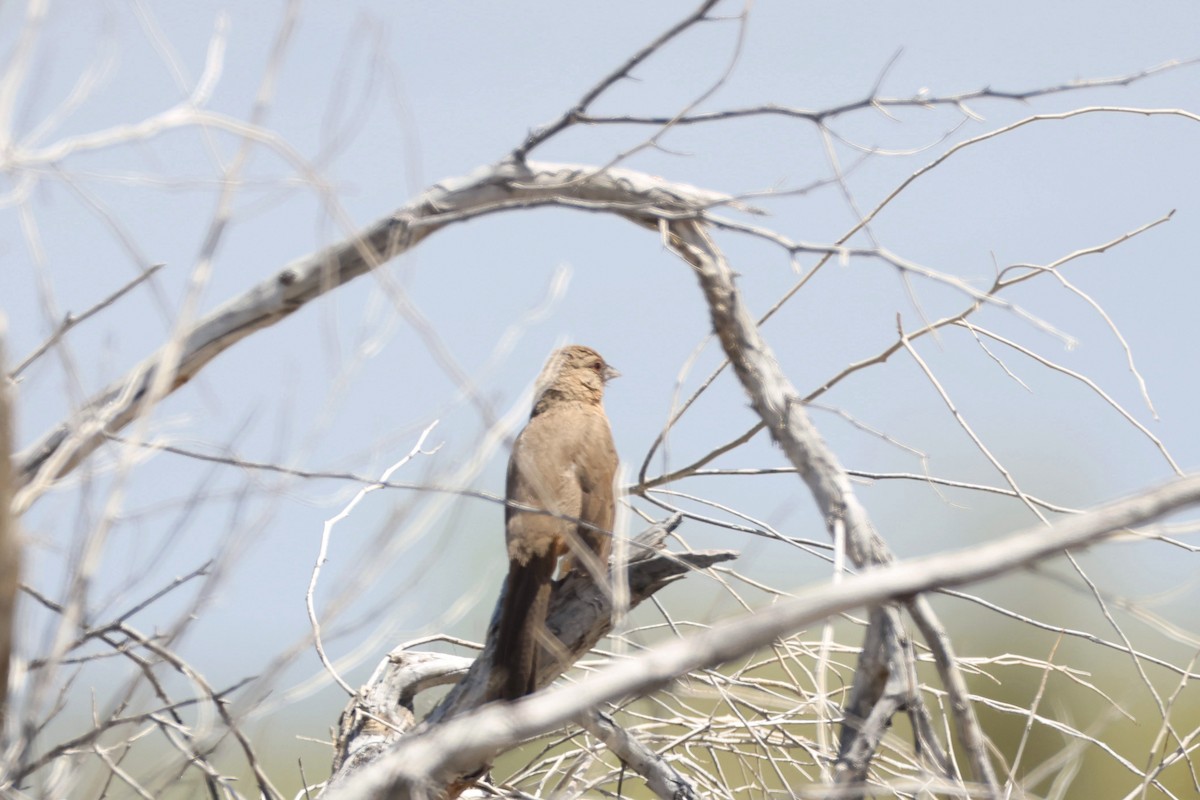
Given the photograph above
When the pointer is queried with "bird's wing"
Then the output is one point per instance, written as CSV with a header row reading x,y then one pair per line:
x,y
542,474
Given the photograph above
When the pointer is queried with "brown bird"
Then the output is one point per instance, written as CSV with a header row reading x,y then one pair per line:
x,y
563,462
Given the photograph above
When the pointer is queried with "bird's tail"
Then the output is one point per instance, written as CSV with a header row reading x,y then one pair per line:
x,y
526,598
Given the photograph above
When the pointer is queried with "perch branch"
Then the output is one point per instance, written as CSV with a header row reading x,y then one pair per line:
x,y
420,764
381,714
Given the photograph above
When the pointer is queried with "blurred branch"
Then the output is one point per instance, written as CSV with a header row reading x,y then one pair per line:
x,y
782,410
322,555
421,763
1022,273
634,195
381,714
10,549
641,198
147,652
680,213
661,778
71,320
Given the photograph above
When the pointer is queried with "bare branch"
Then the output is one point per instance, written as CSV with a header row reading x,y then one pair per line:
x,y
381,715
636,196
781,409
1086,381
10,549
327,531
764,719
421,763
72,320
661,777
574,114
874,101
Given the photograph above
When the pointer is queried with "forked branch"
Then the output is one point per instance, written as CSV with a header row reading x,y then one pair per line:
x,y
420,766
381,715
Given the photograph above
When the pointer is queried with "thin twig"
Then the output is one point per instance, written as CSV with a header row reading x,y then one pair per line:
x,y
874,101
71,320
572,115
323,550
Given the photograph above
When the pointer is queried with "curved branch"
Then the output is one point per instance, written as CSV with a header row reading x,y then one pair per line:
x,y
641,198
422,763
781,408
381,714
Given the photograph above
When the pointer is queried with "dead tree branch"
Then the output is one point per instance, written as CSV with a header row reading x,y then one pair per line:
x,y
381,714
508,186
10,551
649,202
782,410
420,765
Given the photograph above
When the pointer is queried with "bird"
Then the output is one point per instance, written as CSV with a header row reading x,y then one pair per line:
x,y
563,463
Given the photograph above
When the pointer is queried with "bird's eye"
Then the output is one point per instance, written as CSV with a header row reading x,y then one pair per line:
x,y
597,366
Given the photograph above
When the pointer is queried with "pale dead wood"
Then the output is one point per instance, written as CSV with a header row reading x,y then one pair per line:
x,y
1003,281
381,714
648,202
782,410
643,199
634,195
10,550
420,766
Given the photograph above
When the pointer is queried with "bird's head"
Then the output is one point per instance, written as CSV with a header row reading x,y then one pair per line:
x,y
574,373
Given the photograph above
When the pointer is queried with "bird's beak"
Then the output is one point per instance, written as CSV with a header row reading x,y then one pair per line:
x,y
610,373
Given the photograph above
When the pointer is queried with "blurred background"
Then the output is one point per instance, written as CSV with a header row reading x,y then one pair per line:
x,y
109,168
